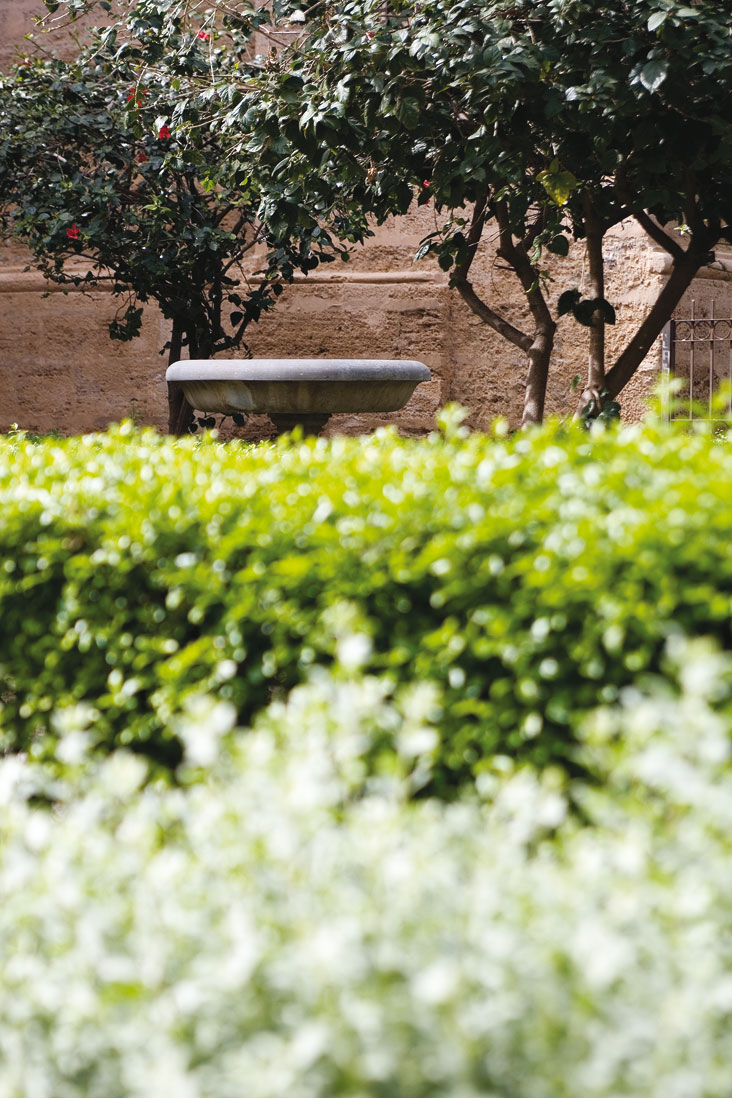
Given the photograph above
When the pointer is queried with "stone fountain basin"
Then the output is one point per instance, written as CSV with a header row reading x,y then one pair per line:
x,y
298,386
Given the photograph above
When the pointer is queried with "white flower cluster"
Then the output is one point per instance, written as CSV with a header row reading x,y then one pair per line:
x,y
268,932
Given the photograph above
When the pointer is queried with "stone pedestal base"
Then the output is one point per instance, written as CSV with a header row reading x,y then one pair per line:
x,y
311,424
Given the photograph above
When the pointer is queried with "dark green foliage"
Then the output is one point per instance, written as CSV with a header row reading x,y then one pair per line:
x,y
531,578
583,309
108,174
528,125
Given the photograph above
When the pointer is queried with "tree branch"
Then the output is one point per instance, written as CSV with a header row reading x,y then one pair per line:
x,y
517,256
534,229
644,219
467,292
475,232
654,230
491,318
693,216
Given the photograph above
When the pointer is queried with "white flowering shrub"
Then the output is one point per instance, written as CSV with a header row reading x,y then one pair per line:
x,y
267,932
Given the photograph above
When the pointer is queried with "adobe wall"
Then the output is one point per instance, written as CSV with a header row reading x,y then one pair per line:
x,y
59,369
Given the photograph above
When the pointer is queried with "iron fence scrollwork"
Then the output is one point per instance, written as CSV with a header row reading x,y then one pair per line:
x,y
698,350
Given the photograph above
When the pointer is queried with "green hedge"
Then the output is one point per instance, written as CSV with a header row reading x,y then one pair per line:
x,y
529,577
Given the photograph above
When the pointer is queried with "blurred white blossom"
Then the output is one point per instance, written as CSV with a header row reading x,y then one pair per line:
x,y
283,927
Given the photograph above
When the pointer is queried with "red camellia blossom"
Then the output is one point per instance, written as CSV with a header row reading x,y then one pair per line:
x,y
164,132
73,233
142,158
426,183
203,35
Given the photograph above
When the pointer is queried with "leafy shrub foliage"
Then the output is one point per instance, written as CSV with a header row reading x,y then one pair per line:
x,y
264,926
530,578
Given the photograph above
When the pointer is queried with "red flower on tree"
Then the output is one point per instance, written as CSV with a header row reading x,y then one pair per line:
x,y
142,158
203,35
73,232
164,132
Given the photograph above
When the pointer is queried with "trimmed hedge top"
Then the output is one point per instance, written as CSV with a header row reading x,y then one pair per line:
x,y
529,577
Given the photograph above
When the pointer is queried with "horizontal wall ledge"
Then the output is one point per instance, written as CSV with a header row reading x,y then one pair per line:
x,y
369,277
16,280
720,270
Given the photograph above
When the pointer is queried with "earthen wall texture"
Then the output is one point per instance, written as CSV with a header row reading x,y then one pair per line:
x,y
60,371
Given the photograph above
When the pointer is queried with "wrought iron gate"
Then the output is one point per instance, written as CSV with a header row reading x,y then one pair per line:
x,y
698,350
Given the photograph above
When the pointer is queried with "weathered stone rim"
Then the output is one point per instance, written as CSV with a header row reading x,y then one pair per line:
x,y
298,369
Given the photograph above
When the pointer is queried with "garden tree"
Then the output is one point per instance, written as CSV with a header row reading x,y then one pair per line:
x,y
104,185
532,122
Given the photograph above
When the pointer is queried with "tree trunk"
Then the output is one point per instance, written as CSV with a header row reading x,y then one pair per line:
x,y
540,351
540,354
592,397
681,277
180,413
